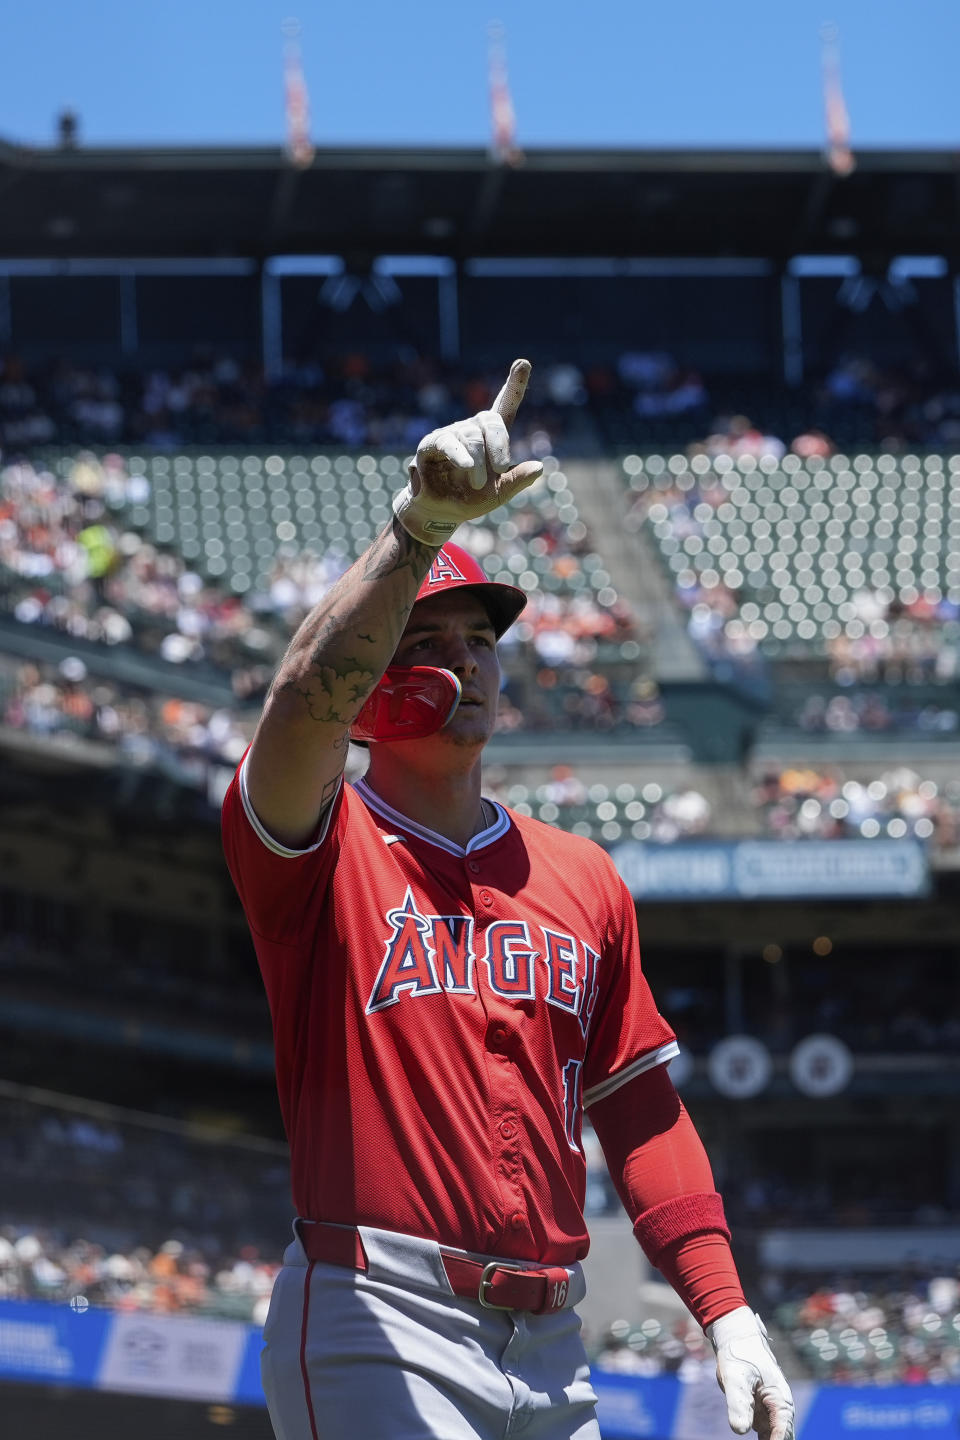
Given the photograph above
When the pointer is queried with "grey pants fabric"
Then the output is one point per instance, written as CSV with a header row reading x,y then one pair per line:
x,y
391,1354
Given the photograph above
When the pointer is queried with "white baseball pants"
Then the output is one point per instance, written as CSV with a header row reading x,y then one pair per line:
x,y
391,1354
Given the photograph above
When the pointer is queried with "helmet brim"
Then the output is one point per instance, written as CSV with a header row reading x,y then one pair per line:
x,y
504,603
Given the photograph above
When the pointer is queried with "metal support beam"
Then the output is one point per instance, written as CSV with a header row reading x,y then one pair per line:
x,y
271,322
6,318
792,330
129,330
448,306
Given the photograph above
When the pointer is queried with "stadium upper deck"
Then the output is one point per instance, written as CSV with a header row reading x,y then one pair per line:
x,y
249,202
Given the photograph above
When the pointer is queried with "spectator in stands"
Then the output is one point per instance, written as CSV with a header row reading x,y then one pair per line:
x,y
48,700
892,1328
67,562
821,804
215,399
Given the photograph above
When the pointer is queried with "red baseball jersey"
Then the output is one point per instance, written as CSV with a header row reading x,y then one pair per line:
x,y
441,1016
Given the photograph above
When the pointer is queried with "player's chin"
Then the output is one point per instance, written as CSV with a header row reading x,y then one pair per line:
x,y
473,726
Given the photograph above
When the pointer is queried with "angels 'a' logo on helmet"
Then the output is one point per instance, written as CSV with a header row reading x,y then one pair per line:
x,y
444,568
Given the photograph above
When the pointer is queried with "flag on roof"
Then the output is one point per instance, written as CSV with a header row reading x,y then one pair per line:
x,y
503,120
299,148
839,156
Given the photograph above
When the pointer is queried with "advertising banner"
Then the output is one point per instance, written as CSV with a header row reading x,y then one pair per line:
x,y
219,1361
249,1388
906,1412
168,1355
51,1343
629,1408
773,869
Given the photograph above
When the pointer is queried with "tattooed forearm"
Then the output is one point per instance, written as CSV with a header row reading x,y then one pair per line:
x,y
393,551
331,696
366,610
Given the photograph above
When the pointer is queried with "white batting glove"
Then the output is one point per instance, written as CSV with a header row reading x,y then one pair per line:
x,y
758,1396
463,470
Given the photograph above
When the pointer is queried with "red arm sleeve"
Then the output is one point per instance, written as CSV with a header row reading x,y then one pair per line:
x,y
663,1177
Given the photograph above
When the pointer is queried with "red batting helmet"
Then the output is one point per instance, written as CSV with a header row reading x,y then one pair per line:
x,y
456,569
408,704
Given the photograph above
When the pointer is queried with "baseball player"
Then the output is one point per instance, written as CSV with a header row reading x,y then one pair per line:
x,y
451,985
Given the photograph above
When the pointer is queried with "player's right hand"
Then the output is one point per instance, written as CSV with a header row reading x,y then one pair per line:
x,y
463,471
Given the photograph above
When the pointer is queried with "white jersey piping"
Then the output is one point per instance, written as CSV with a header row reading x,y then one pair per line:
x,y
629,1072
486,837
284,851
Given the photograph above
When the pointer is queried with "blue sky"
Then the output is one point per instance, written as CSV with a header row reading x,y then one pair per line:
x,y
583,72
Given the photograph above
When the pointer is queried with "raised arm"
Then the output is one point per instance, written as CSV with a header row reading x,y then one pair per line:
x,y
347,641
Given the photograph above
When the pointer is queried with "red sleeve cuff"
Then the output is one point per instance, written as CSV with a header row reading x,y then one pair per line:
x,y
674,1220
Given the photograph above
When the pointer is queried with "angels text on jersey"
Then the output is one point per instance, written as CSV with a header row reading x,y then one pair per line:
x,y
429,954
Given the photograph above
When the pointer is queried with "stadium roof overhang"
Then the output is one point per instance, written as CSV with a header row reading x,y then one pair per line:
x,y
359,203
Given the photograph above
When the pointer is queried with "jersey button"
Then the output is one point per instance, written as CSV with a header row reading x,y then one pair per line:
x,y
507,1129
485,897
473,867
518,1220
498,1036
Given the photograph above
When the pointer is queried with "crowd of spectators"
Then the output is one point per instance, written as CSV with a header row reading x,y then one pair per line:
x,y
800,803
884,641
652,1347
572,611
889,1329
793,803
122,1185
216,399
908,636
895,408
867,404
893,1329
148,729
194,1270
897,642
605,813
579,697
873,712
173,1278
70,560
352,400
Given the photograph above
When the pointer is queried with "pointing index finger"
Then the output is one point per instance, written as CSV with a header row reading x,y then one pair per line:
x,y
507,402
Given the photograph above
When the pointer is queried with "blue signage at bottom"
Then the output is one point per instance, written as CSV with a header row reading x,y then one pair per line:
x,y
907,1412
81,1345
249,1388
628,1408
52,1344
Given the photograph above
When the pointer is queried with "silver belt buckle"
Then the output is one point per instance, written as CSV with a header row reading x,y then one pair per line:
x,y
486,1281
